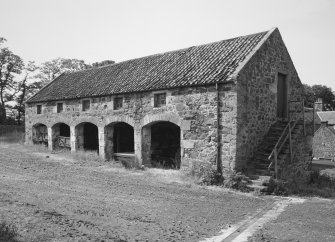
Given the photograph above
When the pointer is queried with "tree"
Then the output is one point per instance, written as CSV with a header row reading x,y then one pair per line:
x,y
326,94
10,64
25,89
102,63
49,70
312,93
309,96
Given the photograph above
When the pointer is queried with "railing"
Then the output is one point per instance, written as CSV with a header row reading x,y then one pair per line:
x,y
298,113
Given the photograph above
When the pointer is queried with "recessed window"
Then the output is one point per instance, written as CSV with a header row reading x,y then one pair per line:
x,y
86,105
59,107
39,109
118,103
159,99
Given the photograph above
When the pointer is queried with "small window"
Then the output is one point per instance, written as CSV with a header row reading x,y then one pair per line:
x,y
39,109
86,105
118,103
59,107
160,99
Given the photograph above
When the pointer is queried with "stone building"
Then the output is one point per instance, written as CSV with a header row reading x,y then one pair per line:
x,y
209,103
324,141
325,116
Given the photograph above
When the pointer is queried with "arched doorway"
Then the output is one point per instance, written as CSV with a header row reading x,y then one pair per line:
x,y
119,138
161,144
87,136
61,136
40,134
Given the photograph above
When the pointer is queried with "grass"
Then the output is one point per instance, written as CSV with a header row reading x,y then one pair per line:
x,y
83,156
313,183
8,232
12,136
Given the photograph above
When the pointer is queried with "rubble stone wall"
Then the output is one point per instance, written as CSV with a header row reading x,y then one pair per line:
x,y
257,94
193,109
324,142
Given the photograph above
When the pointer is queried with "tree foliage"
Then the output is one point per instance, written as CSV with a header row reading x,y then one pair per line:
x,y
103,63
49,70
27,86
312,93
10,66
18,82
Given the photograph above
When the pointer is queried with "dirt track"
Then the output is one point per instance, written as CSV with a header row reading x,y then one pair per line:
x,y
51,199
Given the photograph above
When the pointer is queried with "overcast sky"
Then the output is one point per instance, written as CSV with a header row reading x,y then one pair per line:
x,y
96,30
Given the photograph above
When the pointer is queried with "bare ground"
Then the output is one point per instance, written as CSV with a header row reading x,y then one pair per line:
x,y
59,199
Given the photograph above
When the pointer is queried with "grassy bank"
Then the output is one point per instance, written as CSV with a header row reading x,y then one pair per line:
x,y
12,134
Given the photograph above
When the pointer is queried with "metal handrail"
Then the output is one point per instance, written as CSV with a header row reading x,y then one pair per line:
x,y
275,151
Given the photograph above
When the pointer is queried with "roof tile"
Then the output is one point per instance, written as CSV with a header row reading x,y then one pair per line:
x,y
197,65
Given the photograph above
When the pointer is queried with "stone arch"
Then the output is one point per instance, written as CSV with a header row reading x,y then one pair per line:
x,y
60,133
57,121
87,136
161,143
40,123
92,120
170,117
40,133
118,119
119,140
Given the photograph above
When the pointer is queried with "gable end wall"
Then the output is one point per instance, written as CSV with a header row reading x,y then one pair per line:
x,y
257,95
324,143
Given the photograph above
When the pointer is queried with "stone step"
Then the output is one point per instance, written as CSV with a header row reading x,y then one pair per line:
x,y
256,178
258,188
262,172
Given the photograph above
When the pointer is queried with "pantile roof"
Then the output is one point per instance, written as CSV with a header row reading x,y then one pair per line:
x,y
198,65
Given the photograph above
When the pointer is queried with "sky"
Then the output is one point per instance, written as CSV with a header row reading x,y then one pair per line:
x,y
97,30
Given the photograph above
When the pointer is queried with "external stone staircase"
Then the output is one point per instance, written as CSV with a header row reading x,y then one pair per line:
x,y
259,171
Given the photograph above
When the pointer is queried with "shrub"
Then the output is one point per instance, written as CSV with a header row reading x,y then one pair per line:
x,y
8,232
277,187
208,175
312,183
236,180
205,172
211,177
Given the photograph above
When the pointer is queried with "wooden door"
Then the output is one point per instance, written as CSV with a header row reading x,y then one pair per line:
x,y
282,96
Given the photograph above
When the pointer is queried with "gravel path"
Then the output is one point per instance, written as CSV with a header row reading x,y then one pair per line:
x,y
54,199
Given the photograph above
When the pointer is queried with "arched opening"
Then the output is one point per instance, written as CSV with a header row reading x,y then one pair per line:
x,y
119,141
40,134
87,137
161,145
61,136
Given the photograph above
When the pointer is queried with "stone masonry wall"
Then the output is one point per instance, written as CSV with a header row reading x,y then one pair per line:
x,y
257,94
193,109
324,142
